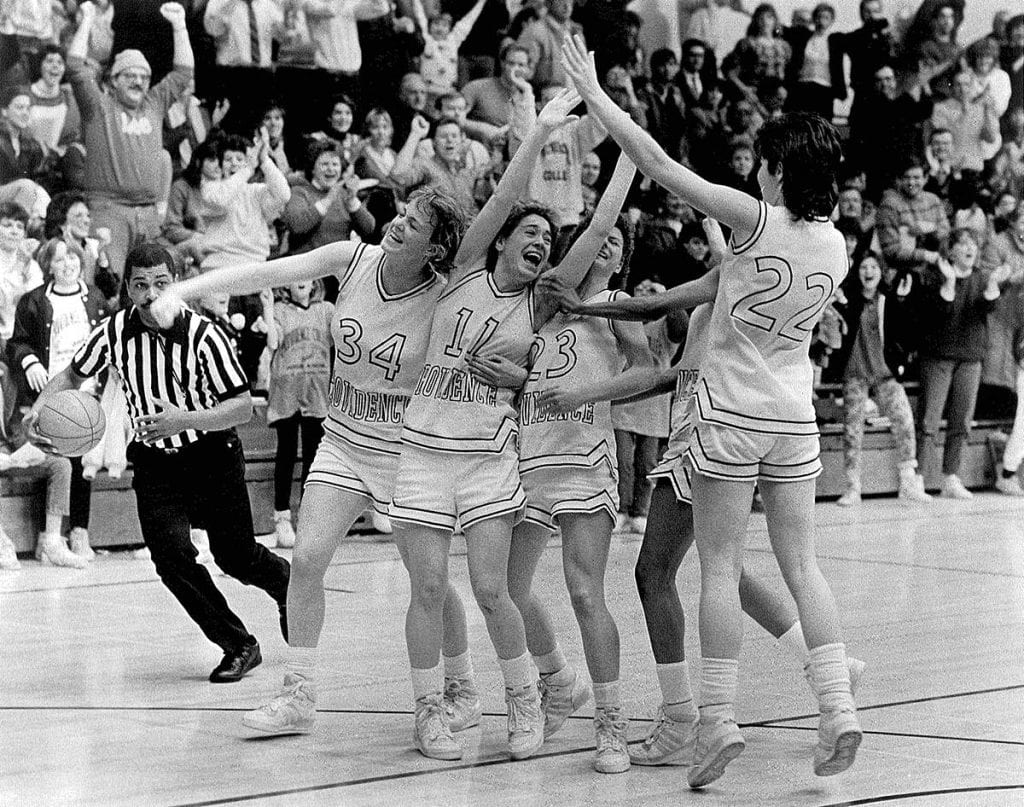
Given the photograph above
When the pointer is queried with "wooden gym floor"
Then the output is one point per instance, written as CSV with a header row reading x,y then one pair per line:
x,y
104,698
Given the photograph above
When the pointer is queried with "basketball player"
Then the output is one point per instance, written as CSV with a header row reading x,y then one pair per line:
x,y
568,469
755,417
386,301
669,532
459,448
186,392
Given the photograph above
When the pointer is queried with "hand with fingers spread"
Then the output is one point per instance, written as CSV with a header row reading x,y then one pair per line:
x,y
168,421
556,111
580,66
496,370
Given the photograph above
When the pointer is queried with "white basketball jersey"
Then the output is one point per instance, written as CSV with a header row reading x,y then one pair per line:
x,y
450,410
380,341
689,364
571,352
773,289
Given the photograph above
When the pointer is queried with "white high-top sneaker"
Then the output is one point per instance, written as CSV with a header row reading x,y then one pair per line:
x,y
293,711
912,487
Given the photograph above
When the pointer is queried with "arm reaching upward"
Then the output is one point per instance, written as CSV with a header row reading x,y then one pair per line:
x,y
580,257
513,183
738,210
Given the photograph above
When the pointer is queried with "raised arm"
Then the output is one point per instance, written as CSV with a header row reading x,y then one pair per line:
x,y
183,56
513,184
730,206
249,278
420,16
580,257
462,28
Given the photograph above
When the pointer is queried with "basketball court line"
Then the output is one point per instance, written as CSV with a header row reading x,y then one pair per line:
x,y
923,794
910,734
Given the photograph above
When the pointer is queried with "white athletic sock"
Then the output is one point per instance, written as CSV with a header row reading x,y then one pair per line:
x,y
793,640
551,662
427,682
518,672
460,666
301,661
831,676
718,678
676,693
606,696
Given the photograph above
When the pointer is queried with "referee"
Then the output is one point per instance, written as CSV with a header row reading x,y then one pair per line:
x,y
186,393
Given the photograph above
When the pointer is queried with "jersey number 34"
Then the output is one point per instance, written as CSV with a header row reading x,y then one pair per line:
x,y
387,354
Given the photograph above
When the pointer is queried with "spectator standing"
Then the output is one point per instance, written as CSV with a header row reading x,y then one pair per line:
x,y
973,122
185,222
942,171
1011,59
338,127
814,63
22,156
301,348
954,314
694,73
663,104
912,223
390,46
123,133
53,118
871,359
543,38
761,54
869,47
19,272
490,99
412,103
376,157
477,54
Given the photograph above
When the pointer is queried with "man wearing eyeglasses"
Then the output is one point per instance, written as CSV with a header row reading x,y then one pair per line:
x,y
126,171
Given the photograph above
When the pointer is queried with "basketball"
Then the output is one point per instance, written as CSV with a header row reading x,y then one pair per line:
x,y
73,421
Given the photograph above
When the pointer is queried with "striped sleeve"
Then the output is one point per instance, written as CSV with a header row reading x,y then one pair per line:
x,y
94,355
220,365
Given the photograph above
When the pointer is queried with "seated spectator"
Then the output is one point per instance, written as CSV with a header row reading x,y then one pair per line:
x,y
972,122
439,64
54,119
240,211
1002,212
817,55
953,312
663,252
762,53
52,322
983,64
377,157
22,156
19,272
772,95
740,172
452,106
542,39
451,168
51,546
339,129
324,206
185,223
490,99
871,360
68,217
273,122
912,223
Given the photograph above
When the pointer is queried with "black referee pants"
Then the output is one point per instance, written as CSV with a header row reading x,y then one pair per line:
x,y
204,483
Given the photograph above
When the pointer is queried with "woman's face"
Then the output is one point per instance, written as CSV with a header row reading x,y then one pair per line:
x,y
65,267
589,200
527,247
767,23
78,221
52,68
610,254
274,121
211,169
300,292
983,66
341,117
851,205
696,248
742,162
590,169
17,112
964,252
380,133
870,274
327,170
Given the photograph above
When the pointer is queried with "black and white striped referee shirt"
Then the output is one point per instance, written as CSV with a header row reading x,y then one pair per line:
x,y
191,364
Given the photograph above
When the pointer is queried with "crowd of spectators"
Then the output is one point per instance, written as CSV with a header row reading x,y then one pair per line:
x,y
237,130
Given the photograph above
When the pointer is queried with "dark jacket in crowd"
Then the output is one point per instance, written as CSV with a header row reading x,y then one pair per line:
x,y
898,326
955,330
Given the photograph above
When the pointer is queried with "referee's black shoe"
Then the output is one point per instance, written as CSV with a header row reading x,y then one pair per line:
x,y
237,663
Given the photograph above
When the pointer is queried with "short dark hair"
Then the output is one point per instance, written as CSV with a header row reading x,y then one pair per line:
x,y
452,95
12,210
232,142
57,211
316,150
9,93
519,211
37,62
661,57
908,162
625,225
807,148
149,254
694,43
511,46
209,149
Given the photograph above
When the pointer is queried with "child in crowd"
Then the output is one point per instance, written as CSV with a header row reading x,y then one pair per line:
x,y
871,359
439,63
299,341
741,168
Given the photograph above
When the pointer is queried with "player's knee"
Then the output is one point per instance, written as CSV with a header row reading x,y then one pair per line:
x,y
429,589
489,590
651,579
584,593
